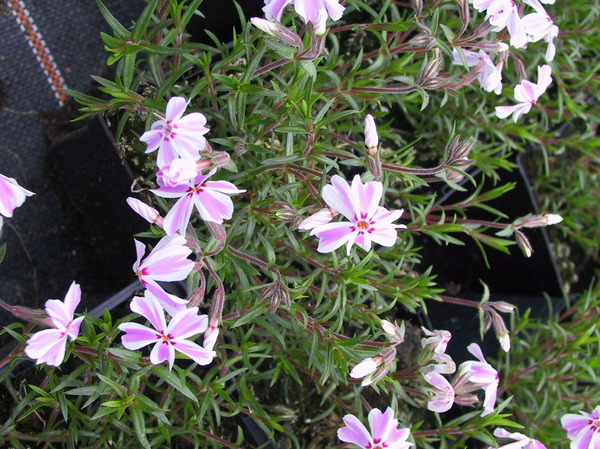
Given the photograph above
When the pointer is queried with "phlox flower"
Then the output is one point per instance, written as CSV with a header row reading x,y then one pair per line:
x,y
473,375
307,9
490,75
12,195
503,14
166,338
441,393
538,26
439,363
583,429
368,222
436,340
166,262
177,135
384,431
209,197
527,94
48,346
521,441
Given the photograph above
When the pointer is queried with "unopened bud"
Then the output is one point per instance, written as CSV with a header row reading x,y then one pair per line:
x,y
277,30
322,217
523,243
27,314
211,334
320,26
431,69
502,306
217,231
148,213
276,293
219,158
417,5
394,333
286,213
371,137
366,367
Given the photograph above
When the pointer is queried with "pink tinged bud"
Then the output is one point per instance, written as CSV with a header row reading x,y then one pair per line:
x,y
148,213
265,25
26,313
521,441
49,346
552,219
12,195
523,243
371,136
364,368
535,221
322,217
211,334
502,306
436,340
394,333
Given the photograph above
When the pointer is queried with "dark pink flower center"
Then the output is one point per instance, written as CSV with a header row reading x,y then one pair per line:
x,y
166,339
595,425
168,131
378,444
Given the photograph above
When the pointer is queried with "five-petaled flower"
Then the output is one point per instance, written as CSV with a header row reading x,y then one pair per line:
x,y
473,375
583,429
368,222
166,262
521,441
527,93
209,197
166,338
177,135
48,346
307,9
12,195
384,431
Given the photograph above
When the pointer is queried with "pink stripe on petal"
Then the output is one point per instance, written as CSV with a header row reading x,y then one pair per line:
x,y
333,235
385,236
152,138
47,346
175,108
368,195
214,206
137,336
194,351
166,154
179,216
334,9
339,197
163,351
72,299
187,323
193,124
73,333
149,308
58,313
274,8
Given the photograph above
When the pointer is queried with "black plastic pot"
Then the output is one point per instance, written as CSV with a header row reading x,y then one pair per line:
x,y
533,282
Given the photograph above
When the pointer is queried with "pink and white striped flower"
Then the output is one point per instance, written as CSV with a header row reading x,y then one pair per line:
x,y
176,135
307,9
474,375
12,195
209,197
368,222
504,14
521,441
441,393
527,93
583,429
384,431
167,338
167,262
49,346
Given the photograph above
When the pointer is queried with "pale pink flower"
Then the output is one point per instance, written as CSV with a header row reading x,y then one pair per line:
x,y
504,14
490,75
473,375
368,221
12,195
48,346
166,338
521,441
441,393
527,93
436,340
307,9
177,135
538,26
384,431
583,429
179,171
209,197
167,262
322,217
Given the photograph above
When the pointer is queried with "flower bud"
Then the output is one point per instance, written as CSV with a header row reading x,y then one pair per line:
x,y
148,213
320,26
371,137
211,334
523,243
219,158
277,30
394,333
536,221
501,306
366,367
286,213
322,217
